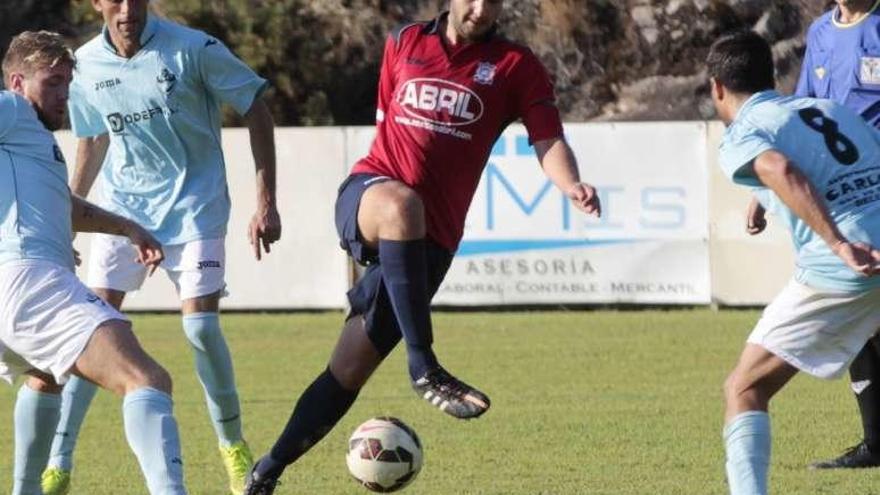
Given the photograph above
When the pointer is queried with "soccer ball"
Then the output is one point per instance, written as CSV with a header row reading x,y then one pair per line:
x,y
384,454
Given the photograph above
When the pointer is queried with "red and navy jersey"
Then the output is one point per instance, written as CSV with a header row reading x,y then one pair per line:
x,y
440,111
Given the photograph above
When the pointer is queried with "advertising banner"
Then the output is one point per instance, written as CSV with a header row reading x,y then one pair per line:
x,y
526,244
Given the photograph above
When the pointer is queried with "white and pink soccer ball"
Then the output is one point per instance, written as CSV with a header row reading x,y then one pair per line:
x,y
384,454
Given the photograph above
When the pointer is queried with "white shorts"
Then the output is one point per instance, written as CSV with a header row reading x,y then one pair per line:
x,y
818,332
47,317
197,268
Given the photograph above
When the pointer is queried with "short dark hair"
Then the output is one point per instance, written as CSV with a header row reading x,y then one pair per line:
x,y
742,61
31,51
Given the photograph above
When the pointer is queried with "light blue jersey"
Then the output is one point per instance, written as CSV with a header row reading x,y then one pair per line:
x,y
34,198
838,153
164,168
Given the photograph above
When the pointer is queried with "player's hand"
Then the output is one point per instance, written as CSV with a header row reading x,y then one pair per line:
x,y
265,228
756,218
149,250
861,257
585,198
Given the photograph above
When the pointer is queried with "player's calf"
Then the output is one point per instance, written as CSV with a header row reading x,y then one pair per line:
x,y
355,357
36,415
37,409
115,360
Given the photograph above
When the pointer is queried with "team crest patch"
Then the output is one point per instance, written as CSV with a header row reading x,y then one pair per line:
x,y
820,72
485,73
166,80
116,121
869,72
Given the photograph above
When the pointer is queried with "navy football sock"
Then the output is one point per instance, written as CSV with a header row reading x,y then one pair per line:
x,y
405,273
318,410
864,373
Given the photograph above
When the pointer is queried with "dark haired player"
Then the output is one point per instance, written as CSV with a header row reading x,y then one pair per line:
x,y
842,64
815,162
447,89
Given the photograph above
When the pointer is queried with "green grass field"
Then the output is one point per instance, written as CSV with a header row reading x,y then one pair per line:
x,y
601,402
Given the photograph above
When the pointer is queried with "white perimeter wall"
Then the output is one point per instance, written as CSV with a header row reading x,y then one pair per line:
x,y
672,229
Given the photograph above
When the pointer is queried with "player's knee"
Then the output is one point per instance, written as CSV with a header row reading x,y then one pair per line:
x,y
733,386
148,374
43,385
738,389
405,209
159,378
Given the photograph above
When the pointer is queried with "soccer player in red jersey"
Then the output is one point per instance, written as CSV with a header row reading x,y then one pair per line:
x,y
447,90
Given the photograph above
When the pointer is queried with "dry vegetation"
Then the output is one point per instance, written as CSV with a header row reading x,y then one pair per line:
x,y
612,60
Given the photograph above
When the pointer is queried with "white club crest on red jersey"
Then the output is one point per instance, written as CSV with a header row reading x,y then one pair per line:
x,y
485,73
440,102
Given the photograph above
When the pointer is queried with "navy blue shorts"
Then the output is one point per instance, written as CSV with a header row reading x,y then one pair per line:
x,y
368,297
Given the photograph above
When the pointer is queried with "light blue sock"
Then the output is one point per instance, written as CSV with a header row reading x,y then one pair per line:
x,y
214,367
36,415
152,434
747,442
75,401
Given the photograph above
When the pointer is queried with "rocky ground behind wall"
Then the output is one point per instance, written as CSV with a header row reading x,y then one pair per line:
x,y
612,60
642,59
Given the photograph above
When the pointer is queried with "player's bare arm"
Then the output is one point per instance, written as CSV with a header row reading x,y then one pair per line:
x,y
558,162
87,217
756,217
90,154
265,226
778,173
